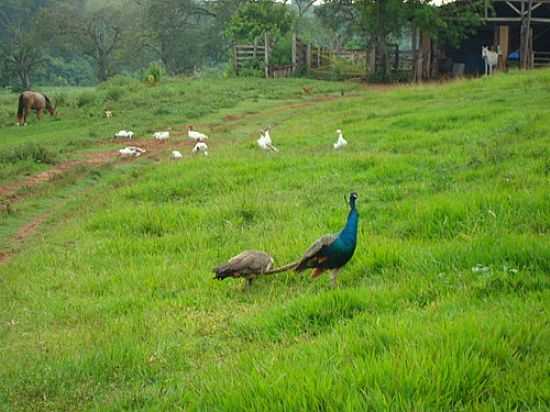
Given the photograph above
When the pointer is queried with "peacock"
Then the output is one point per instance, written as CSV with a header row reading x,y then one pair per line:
x,y
330,252
248,265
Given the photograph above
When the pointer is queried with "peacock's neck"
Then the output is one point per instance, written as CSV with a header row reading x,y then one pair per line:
x,y
349,232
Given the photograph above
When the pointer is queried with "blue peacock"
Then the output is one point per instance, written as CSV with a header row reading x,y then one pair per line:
x,y
330,252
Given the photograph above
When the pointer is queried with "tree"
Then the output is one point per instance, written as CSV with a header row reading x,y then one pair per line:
x,y
96,33
178,32
20,42
253,19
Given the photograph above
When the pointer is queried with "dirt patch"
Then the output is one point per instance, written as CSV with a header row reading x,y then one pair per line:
x,y
11,193
4,256
27,230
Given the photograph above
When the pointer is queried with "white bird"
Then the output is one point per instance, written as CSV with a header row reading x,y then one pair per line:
x,y
196,136
341,142
161,135
131,151
176,155
201,147
124,134
265,141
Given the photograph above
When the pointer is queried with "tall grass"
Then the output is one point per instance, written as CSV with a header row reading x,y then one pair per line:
x,y
443,307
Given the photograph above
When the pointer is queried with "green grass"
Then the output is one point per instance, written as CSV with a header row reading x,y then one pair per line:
x,y
443,307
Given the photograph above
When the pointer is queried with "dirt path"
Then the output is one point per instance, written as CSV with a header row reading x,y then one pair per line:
x,y
12,193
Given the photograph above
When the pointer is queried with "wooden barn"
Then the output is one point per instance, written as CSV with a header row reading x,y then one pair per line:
x,y
502,31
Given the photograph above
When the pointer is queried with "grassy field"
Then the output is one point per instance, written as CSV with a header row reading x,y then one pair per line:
x,y
445,305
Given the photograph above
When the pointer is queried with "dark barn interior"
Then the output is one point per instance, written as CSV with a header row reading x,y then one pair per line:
x,y
502,30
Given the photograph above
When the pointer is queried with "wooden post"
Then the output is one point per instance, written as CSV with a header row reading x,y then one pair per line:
x,y
266,55
371,60
318,57
503,42
426,55
255,47
294,53
414,37
531,62
436,54
525,52
235,60
308,57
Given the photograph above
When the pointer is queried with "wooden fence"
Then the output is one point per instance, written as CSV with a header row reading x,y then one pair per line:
x,y
541,59
304,57
248,54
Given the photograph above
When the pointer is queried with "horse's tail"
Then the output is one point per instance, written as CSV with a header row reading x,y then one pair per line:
x,y
20,106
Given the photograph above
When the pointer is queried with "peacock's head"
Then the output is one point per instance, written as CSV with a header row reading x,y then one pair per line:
x,y
352,198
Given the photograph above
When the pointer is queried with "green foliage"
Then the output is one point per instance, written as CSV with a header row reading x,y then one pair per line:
x,y
253,19
120,81
281,52
28,152
85,99
153,74
339,69
252,69
114,94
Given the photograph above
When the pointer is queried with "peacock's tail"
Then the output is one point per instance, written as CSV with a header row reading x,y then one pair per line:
x,y
284,268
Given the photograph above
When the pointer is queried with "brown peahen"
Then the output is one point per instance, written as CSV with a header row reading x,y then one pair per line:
x,y
248,265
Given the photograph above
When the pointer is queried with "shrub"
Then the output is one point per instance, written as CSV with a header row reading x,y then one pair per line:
x,y
122,82
252,69
114,94
153,74
29,151
60,99
85,99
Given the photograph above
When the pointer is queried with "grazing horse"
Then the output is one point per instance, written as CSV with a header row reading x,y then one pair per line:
x,y
490,58
32,101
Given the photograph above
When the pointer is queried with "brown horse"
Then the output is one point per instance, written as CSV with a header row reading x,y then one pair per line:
x,y
32,101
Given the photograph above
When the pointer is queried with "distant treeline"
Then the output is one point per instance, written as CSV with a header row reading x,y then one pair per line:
x,y
82,42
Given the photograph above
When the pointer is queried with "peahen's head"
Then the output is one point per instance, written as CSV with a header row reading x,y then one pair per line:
x,y
352,198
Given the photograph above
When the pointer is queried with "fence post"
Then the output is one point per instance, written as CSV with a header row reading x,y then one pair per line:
x,y
308,57
235,60
266,55
371,60
318,57
294,53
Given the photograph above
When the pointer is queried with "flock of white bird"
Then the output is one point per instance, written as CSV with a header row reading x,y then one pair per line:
x,y
200,146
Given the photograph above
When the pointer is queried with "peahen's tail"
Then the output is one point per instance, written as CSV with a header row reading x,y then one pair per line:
x,y
284,268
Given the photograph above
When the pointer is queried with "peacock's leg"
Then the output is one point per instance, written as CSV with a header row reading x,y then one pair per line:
x,y
333,276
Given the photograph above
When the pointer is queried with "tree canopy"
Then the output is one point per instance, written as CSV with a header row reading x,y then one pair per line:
x,y
87,41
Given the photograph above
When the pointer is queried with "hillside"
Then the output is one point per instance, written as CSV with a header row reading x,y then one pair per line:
x,y
111,304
